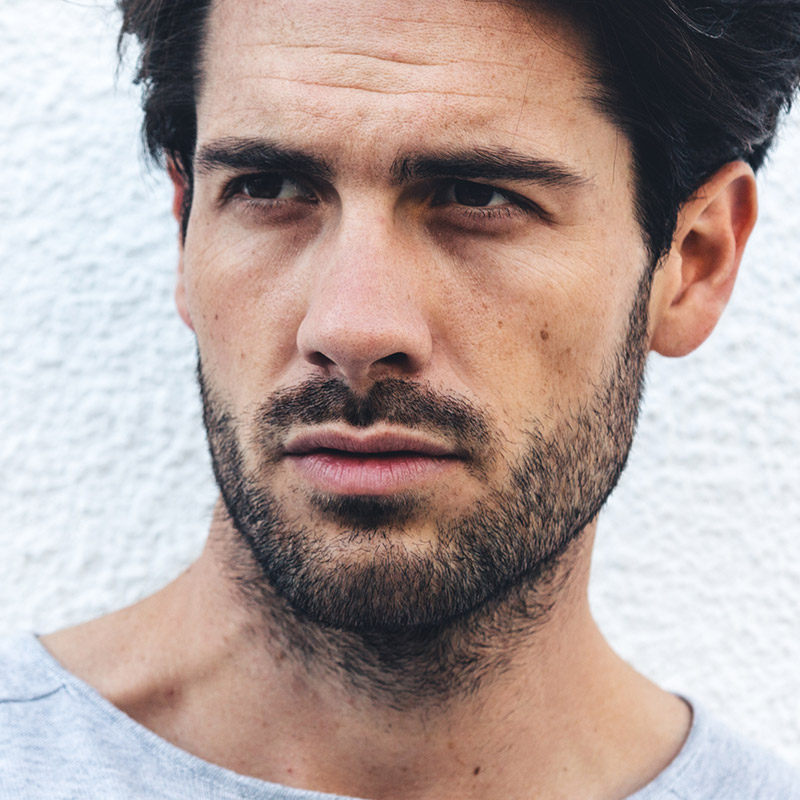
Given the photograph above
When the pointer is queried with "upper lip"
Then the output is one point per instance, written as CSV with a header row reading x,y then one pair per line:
x,y
370,442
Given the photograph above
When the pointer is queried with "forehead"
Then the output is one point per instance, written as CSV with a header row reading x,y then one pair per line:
x,y
369,79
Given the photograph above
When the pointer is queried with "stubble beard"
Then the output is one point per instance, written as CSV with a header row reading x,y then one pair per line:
x,y
413,625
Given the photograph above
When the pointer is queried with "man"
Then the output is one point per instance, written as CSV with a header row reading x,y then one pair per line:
x,y
425,249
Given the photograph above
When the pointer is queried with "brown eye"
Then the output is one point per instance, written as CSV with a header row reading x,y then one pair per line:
x,y
474,194
271,186
469,193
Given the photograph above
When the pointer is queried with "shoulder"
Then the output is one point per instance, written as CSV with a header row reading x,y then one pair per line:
x,y
26,671
32,697
60,738
32,702
716,763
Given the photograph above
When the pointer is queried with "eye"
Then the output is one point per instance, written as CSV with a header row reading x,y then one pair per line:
x,y
482,207
270,186
469,193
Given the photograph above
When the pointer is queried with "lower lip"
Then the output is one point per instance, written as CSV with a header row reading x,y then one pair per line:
x,y
369,474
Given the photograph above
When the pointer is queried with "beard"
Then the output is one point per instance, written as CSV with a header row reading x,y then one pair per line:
x,y
355,585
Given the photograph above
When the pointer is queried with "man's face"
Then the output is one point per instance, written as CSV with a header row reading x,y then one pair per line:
x,y
413,268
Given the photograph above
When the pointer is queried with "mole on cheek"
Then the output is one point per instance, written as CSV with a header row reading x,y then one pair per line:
x,y
544,333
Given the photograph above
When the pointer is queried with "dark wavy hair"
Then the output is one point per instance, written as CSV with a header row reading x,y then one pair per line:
x,y
693,84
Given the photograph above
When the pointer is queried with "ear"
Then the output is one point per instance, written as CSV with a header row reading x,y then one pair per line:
x,y
179,195
692,286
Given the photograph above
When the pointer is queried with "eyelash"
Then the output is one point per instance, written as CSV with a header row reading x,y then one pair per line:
x,y
517,206
234,190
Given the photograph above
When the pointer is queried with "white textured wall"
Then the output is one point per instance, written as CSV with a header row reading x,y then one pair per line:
x,y
104,480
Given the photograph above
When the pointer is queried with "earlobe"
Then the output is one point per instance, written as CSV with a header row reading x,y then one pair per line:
x,y
178,198
696,279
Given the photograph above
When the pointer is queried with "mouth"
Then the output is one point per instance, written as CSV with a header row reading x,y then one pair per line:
x,y
368,464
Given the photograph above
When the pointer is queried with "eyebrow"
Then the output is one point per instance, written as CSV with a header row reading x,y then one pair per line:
x,y
260,155
498,164
482,163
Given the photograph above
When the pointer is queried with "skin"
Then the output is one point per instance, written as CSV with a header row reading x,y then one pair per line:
x,y
517,312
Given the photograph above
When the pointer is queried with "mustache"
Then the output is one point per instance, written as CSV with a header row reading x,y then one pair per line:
x,y
391,400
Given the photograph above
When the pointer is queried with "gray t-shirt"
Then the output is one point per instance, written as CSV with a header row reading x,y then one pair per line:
x,y
60,740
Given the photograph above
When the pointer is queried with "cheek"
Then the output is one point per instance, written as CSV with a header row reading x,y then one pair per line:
x,y
546,327
245,307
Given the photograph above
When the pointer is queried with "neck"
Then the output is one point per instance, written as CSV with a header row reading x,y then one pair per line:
x,y
409,669
523,699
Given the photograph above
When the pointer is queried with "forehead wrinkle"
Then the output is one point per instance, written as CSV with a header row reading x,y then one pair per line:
x,y
341,40
374,74
533,32
392,59
372,89
386,34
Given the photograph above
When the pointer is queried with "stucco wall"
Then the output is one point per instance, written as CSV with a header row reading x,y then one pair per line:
x,y
105,484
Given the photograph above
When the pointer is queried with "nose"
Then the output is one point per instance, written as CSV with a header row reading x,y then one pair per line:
x,y
366,316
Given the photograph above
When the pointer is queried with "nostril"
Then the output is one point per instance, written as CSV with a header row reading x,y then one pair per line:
x,y
397,360
320,359
357,341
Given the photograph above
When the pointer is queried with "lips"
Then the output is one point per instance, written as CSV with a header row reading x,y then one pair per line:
x,y
371,463
372,443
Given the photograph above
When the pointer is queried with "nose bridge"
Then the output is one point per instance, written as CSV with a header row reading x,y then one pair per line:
x,y
362,255
365,313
